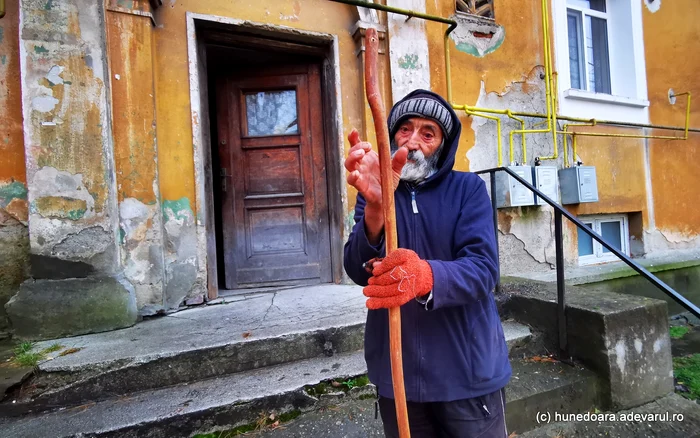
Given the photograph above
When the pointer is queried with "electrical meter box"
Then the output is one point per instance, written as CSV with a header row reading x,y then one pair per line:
x,y
578,184
546,181
509,191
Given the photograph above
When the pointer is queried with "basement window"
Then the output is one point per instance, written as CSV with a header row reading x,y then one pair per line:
x,y
480,8
613,228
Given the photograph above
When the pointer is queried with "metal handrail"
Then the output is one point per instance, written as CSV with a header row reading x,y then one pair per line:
x,y
560,211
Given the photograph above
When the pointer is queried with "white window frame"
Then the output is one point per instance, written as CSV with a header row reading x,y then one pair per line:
x,y
598,255
628,101
584,36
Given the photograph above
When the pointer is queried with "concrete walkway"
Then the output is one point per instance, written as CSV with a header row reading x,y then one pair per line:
x,y
234,320
241,318
606,271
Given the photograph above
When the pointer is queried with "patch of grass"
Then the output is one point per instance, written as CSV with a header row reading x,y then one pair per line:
x,y
264,420
24,347
240,430
356,382
289,416
318,389
334,386
24,356
28,359
687,372
678,331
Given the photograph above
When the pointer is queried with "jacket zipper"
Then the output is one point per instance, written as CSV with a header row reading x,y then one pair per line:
x,y
483,405
414,205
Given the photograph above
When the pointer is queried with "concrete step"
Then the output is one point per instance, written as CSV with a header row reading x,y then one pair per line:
x,y
535,387
241,399
208,405
538,387
247,333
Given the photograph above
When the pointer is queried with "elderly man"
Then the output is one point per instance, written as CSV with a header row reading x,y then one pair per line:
x,y
455,357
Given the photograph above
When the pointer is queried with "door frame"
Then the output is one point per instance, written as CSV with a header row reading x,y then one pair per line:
x,y
205,29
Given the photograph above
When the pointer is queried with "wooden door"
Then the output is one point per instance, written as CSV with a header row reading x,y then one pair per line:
x,y
273,177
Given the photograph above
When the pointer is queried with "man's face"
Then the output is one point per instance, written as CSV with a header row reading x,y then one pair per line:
x,y
423,138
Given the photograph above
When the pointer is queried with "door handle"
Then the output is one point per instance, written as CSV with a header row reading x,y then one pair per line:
x,y
224,175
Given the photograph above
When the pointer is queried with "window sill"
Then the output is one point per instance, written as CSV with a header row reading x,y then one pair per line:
x,y
589,260
587,96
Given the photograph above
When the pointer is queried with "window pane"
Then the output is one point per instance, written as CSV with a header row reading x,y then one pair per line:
x,y
583,4
575,52
597,5
597,55
585,242
612,235
271,113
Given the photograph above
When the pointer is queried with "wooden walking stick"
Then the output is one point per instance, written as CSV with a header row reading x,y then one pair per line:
x,y
380,125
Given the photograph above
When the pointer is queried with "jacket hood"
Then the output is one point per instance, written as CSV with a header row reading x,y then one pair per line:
x,y
449,150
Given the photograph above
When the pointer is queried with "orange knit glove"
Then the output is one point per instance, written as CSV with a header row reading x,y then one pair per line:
x,y
401,277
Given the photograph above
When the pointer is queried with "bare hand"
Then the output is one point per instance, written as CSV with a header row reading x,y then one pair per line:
x,y
363,164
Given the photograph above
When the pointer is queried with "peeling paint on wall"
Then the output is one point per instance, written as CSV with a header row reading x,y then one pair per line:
x,y
55,193
72,204
130,48
477,37
410,61
527,231
143,256
408,50
180,251
294,16
653,5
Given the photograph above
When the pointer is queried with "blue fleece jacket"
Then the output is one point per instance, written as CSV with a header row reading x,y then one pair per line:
x,y
454,347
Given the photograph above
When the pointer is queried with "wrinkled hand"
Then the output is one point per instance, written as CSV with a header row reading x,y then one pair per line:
x,y
363,164
397,279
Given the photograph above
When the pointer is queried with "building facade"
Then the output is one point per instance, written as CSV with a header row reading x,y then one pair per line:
x,y
154,154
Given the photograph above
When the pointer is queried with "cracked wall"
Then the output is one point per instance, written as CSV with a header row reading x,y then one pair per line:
x,y
184,237
526,239
491,70
69,164
14,237
408,50
673,164
130,49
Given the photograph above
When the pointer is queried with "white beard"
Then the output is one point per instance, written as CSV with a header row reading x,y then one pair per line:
x,y
418,168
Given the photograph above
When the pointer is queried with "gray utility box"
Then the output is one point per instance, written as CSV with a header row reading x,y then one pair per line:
x,y
509,192
546,181
578,184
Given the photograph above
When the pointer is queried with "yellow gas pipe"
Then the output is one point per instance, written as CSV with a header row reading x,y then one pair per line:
x,y
594,122
551,116
499,147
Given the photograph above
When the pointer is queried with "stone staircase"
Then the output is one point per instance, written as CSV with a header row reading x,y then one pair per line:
x,y
218,367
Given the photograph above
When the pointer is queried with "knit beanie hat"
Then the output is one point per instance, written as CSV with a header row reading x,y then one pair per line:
x,y
421,105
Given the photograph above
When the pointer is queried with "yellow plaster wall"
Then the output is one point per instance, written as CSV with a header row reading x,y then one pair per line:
x,y
513,61
671,38
129,39
174,131
13,193
619,164
11,139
